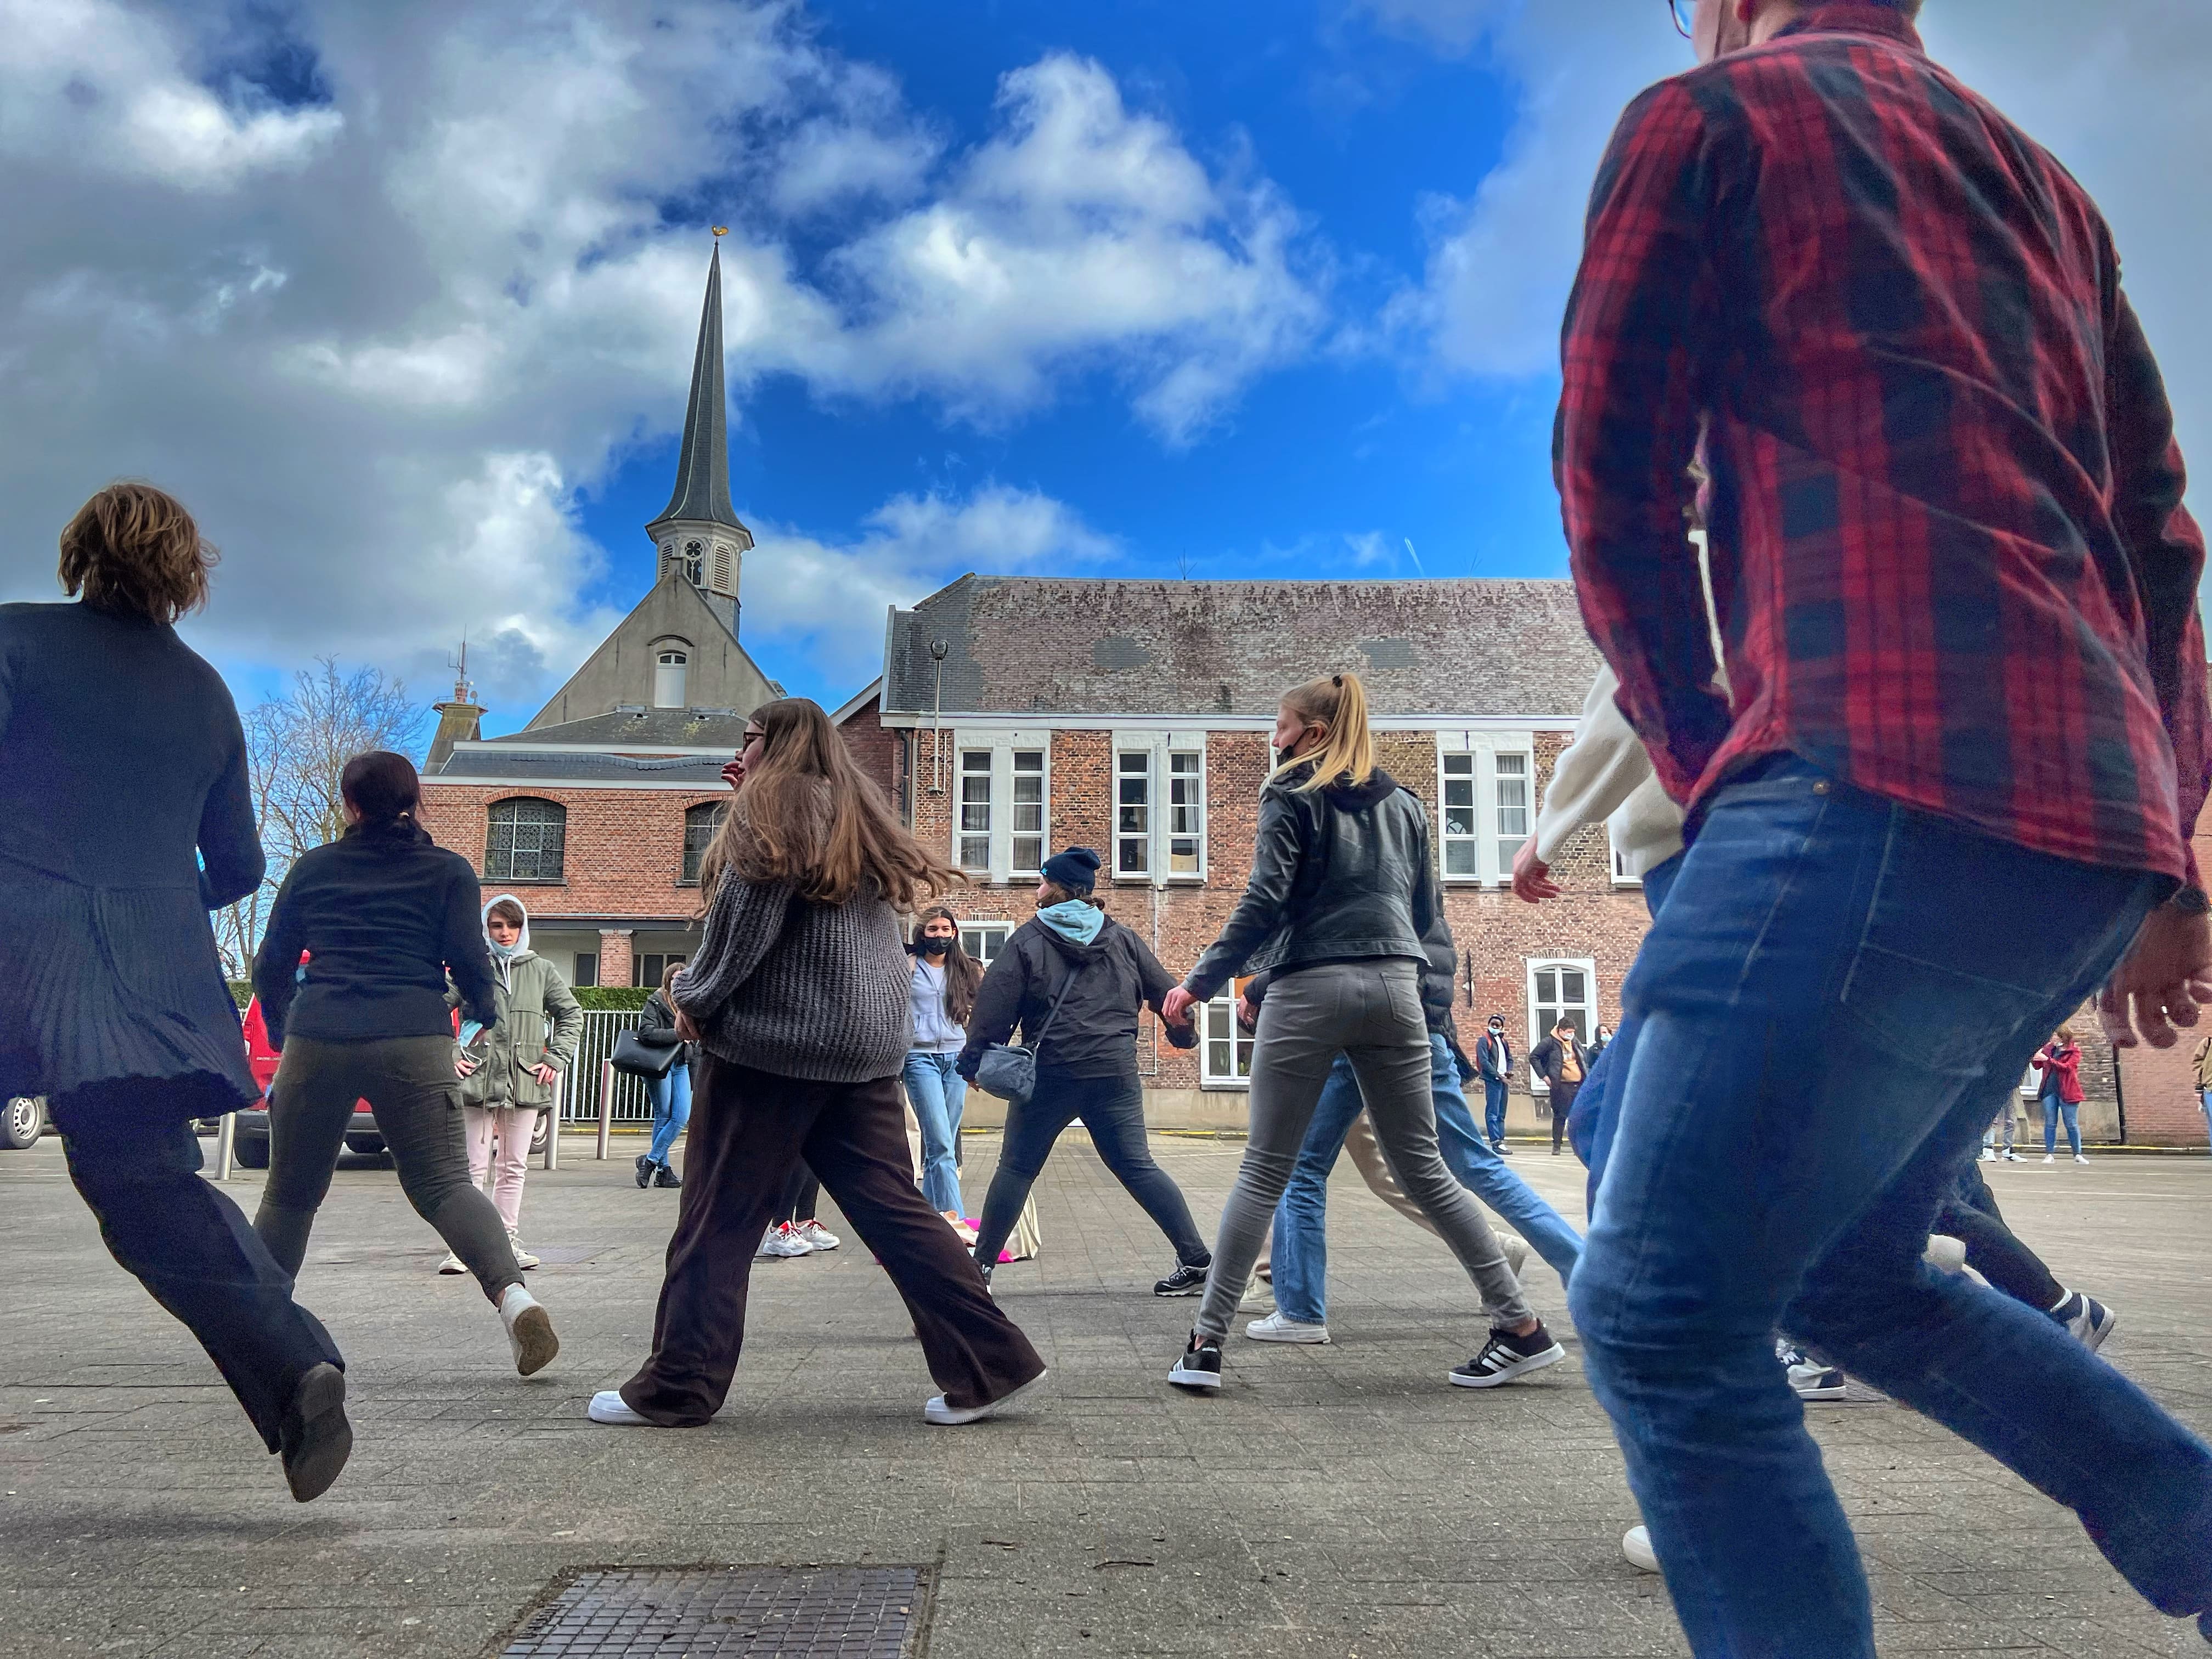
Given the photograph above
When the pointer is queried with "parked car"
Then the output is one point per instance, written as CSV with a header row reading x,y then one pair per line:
x,y
24,1121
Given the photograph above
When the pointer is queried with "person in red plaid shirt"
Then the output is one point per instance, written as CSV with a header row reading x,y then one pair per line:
x,y
1946,795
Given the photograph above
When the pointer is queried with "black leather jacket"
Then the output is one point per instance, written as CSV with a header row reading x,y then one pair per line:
x,y
1339,874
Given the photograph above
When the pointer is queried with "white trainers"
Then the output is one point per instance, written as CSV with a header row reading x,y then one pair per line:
x,y
1636,1547
952,1416
529,1330
1517,1251
453,1264
610,1408
1946,1254
820,1238
2080,1158
1259,1298
1989,1154
783,1240
2048,1158
523,1259
1281,1328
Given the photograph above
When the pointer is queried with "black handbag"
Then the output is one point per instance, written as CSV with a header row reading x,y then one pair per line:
x,y
634,1057
1010,1072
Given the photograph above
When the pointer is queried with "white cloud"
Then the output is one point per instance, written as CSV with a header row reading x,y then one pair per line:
x,y
827,600
380,335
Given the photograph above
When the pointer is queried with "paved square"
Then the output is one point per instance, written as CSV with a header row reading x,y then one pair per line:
x,y
1333,1502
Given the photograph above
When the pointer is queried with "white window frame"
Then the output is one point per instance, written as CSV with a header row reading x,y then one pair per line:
x,y
1493,864
1620,862
1223,1008
1587,966
1003,745
1159,837
972,936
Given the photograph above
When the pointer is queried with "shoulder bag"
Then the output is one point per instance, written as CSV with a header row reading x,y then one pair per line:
x,y
1010,1072
634,1057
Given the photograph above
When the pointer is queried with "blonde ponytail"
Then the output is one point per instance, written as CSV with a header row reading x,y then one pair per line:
x,y
1338,703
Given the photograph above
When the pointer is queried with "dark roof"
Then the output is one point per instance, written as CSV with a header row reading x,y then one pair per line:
x,y
1063,646
524,766
703,470
647,728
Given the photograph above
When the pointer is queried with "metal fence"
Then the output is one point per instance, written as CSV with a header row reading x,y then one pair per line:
x,y
580,1102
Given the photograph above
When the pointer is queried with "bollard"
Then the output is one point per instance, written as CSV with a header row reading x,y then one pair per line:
x,y
225,1140
606,1105
553,1133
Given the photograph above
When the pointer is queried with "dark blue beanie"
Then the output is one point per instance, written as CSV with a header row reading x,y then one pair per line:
x,y
1076,869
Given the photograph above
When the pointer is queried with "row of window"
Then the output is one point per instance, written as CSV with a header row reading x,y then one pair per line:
x,y
645,968
527,840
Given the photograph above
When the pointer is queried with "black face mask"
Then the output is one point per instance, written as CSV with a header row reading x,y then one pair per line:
x,y
934,947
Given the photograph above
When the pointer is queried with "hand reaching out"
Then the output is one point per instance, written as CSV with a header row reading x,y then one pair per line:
x,y
2161,982
1175,1007
1532,877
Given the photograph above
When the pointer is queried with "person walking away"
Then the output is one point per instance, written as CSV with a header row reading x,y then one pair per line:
x,y
670,1092
1076,982
2060,1093
1960,471
1341,911
1560,1062
942,995
125,817
390,919
797,999
509,1071
1493,1062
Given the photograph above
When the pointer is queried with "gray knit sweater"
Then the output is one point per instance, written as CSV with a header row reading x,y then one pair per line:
x,y
815,991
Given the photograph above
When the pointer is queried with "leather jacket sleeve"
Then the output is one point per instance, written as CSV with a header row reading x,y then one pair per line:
x,y
1278,853
656,1024
1440,955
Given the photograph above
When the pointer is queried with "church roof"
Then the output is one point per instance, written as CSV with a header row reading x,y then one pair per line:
x,y
703,470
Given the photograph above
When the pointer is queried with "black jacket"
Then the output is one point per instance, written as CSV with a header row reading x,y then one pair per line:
x,y
656,1029
1491,1048
1548,1058
1339,874
385,914
1096,1035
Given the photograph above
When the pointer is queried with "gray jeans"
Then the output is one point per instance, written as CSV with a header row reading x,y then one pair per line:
x,y
1370,1012
408,1083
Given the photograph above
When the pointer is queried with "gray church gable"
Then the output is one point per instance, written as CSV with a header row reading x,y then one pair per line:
x,y
620,672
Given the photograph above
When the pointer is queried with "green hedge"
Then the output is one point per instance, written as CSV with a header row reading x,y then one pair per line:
x,y
241,992
627,999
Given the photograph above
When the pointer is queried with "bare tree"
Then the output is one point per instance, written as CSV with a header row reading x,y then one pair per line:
x,y
297,748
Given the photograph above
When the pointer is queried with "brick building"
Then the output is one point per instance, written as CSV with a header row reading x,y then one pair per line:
x,y
1025,715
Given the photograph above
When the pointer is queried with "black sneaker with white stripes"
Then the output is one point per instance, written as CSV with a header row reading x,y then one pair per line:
x,y
1185,1280
1507,1358
1198,1368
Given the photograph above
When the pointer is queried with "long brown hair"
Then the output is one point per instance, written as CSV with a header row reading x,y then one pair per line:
x,y
964,975
1338,703
807,814
133,551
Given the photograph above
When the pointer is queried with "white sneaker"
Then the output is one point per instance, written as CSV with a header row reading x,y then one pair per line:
x,y
783,1240
1946,1254
609,1407
523,1259
2048,1158
1517,1251
1281,1328
453,1264
2012,1156
820,1238
1636,1546
2080,1158
1259,1298
958,1222
529,1330
952,1416
1989,1154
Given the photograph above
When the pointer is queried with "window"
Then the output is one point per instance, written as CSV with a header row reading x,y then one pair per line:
x,y
646,968
693,557
526,840
1461,853
700,823
1133,812
1224,1048
1620,876
587,969
722,584
1561,990
974,808
1512,784
1029,811
1186,813
984,940
671,666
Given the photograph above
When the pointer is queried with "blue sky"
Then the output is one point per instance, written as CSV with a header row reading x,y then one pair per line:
x,y
401,299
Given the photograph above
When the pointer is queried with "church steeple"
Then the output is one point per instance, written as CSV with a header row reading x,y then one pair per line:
x,y
699,534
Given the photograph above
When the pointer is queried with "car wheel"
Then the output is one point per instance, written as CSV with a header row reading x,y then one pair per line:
x,y
25,1121
541,1134
251,1154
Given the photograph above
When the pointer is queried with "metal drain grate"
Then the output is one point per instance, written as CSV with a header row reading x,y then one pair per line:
x,y
729,1612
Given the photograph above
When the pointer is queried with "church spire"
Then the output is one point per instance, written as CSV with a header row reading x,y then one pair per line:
x,y
699,534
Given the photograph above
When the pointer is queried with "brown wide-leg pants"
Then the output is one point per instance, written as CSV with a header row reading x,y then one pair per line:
x,y
749,1128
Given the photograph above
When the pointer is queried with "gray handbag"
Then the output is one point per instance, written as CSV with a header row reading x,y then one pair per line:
x,y
1010,1072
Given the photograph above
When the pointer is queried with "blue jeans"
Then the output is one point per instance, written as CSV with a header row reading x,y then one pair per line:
x,y
1590,1125
2206,1097
1493,1110
670,1095
1301,1244
1837,996
937,1092
2053,1109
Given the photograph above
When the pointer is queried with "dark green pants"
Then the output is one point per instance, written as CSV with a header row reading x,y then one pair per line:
x,y
408,1083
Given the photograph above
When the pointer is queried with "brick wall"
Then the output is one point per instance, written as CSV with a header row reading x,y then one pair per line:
x,y
624,848
2158,1086
874,749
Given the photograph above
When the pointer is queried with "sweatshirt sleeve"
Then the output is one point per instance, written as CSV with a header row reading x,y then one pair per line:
x,y
742,925
1605,764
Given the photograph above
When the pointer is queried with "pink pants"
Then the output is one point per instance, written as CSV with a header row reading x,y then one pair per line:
x,y
515,1125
